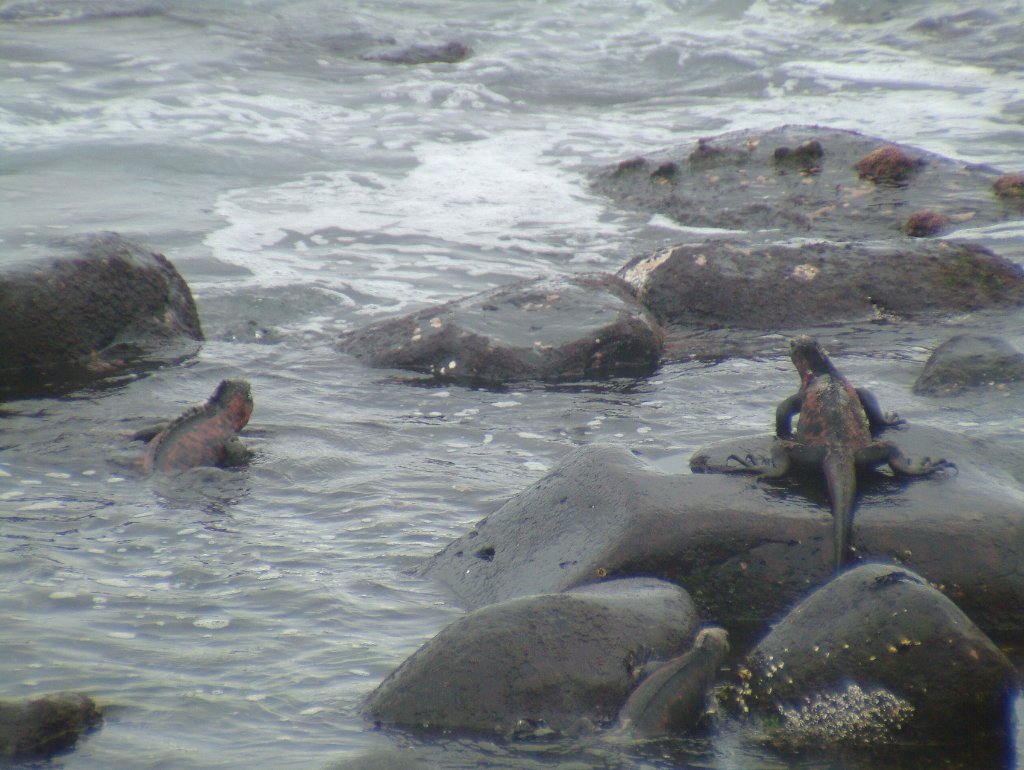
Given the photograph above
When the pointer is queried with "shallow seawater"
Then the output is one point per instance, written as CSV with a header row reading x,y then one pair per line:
x,y
238,618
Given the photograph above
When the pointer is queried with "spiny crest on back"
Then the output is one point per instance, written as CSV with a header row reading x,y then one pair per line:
x,y
221,399
203,435
227,391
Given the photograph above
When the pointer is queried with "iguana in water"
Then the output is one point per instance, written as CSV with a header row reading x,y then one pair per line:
x,y
834,431
204,435
671,700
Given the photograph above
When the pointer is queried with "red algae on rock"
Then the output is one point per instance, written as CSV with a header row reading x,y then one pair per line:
x,y
887,164
1009,186
921,224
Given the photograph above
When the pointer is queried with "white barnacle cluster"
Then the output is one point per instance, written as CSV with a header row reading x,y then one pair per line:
x,y
805,272
852,715
639,274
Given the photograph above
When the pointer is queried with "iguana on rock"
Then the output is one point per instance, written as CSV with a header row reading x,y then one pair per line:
x,y
834,431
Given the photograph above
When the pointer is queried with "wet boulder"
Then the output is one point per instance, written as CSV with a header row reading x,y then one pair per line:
x,y
88,304
745,550
602,514
538,663
803,180
877,655
970,361
716,283
550,329
32,729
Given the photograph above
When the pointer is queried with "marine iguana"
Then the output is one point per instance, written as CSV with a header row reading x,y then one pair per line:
x,y
203,435
671,700
836,432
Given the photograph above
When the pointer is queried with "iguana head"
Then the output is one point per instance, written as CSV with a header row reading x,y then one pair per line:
x,y
234,398
809,358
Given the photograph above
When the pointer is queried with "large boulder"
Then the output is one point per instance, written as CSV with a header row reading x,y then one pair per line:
x,y
31,729
970,361
538,662
551,329
876,655
800,180
91,303
717,283
746,550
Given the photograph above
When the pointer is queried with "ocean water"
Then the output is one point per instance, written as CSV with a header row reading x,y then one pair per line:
x,y
237,619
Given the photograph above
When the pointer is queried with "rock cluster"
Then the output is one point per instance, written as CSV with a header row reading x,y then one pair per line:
x,y
892,650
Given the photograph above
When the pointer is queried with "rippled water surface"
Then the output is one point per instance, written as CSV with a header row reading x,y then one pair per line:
x,y
237,619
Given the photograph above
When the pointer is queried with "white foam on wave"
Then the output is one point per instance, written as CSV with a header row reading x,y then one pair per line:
x,y
499,200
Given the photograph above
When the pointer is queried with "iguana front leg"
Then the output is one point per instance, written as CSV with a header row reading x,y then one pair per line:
x,y
876,417
784,415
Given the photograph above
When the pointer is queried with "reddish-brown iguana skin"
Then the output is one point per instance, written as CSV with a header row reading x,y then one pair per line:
x,y
834,432
204,435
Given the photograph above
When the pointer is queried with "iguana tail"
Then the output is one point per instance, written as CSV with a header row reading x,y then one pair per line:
x,y
841,478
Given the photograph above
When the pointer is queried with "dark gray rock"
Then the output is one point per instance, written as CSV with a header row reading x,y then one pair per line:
x,y
970,361
717,284
746,550
95,301
537,663
42,727
802,180
552,329
878,654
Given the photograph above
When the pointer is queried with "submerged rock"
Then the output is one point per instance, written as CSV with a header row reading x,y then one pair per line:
x,y
551,329
95,301
801,180
877,655
745,550
970,361
537,663
725,284
446,53
380,759
42,727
